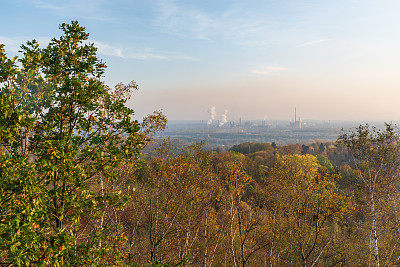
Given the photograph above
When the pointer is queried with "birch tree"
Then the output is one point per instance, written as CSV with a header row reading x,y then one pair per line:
x,y
376,157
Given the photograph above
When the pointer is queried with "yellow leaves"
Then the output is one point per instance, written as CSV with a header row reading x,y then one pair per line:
x,y
296,184
51,151
233,174
60,247
332,202
300,165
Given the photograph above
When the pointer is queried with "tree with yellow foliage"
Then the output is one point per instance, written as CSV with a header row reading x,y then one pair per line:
x,y
376,158
303,203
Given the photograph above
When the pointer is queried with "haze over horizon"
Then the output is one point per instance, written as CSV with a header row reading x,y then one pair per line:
x,y
333,60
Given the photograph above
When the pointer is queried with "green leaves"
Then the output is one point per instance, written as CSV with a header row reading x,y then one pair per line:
x,y
62,134
22,228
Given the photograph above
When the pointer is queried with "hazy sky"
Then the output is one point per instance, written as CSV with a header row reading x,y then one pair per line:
x,y
332,59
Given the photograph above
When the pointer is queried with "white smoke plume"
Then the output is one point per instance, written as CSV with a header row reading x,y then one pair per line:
x,y
224,118
265,117
212,113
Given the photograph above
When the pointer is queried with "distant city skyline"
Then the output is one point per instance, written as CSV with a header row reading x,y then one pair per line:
x,y
332,60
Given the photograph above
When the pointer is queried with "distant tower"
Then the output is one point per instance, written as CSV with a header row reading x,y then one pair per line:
x,y
296,123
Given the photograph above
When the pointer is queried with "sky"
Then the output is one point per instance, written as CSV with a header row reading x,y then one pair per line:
x,y
255,59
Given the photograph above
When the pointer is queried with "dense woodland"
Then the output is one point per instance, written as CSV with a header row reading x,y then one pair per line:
x,y
83,184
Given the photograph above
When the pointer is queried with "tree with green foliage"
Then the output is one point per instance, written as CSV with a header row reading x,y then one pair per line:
x,y
247,148
20,194
326,165
62,134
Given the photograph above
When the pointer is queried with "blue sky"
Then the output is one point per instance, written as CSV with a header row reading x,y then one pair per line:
x,y
333,60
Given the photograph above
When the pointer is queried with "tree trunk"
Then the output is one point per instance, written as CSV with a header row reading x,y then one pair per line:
x,y
374,232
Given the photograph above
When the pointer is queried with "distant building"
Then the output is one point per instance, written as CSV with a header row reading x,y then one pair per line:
x,y
297,122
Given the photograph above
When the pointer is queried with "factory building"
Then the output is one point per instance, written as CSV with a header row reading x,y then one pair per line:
x,y
297,122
